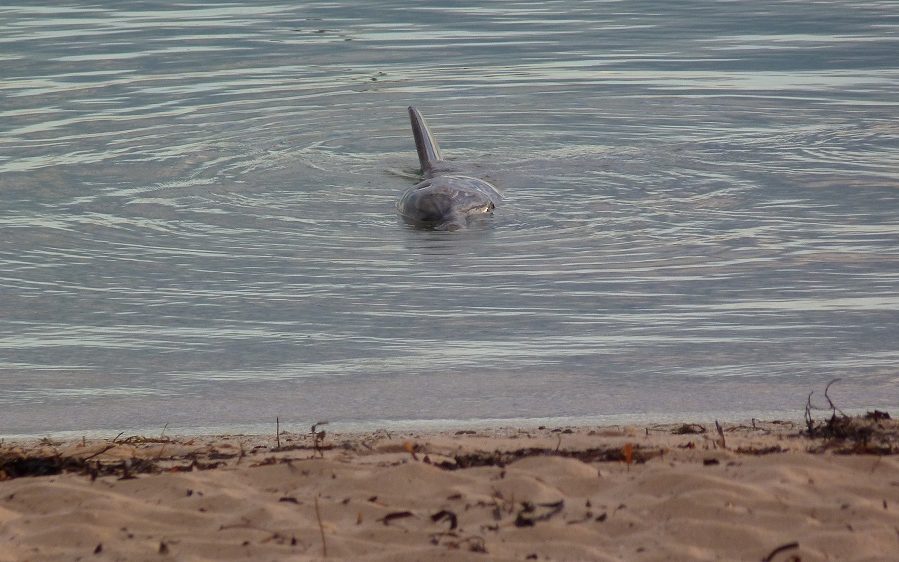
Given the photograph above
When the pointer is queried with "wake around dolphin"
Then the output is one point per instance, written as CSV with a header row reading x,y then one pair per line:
x,y
444,200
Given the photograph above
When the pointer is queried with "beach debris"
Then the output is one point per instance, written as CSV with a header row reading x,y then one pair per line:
x,y
502,458
139,439
29,466
720,441
394,515
809,421
411,447
318,438
779,549
474,543
688,429
877,415
321,528
759,451
17,465
126,471
448,515
529,515
875,433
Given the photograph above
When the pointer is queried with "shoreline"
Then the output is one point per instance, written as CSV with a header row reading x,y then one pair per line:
x,y
440,424
659,492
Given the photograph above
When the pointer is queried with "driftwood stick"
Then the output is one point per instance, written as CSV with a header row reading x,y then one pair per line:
x,y
321,528
778,550
721,441
829,401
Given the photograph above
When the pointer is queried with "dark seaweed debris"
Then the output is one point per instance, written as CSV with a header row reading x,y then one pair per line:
x,y
858,435
530,514
689,429
18,466
760,451
503,458
875,433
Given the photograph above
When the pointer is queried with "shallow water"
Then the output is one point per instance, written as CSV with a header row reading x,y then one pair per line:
x,y
701,212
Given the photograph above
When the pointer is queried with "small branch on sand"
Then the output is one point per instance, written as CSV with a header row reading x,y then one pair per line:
x,y
721,442
829,401
778,550
321,528
809,422
449,516
392,516
98,453
318,438
163,440
243,452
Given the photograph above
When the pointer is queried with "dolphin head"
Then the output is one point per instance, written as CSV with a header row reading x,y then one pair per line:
x,y
442,204
431,208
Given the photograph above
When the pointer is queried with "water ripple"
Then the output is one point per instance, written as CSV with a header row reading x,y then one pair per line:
x,y
198,209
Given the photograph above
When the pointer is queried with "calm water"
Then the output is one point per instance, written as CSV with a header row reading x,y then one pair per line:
x,y
197,223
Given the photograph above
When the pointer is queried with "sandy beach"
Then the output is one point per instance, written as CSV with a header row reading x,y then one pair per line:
x,y
754,491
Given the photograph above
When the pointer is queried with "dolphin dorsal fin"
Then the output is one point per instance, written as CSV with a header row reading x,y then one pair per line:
x,y
425,143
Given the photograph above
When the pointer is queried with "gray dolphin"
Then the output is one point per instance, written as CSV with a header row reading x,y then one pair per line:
x,y
444,200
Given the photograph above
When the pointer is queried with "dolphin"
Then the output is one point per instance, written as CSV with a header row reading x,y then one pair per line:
x,y
444,200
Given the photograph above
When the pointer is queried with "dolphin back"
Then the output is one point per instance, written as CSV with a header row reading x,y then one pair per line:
x,y
425,143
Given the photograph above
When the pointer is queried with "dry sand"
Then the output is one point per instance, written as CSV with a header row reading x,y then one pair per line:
x,y
535,494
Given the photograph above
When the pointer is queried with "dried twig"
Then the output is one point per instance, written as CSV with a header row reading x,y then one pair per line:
x,y
527,518
829,401
318,438
809,422
721,442
242,454
778,550
449,516
395,515
321,528
98,453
